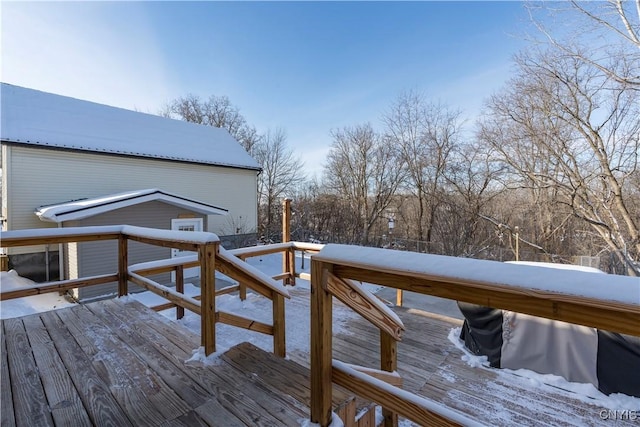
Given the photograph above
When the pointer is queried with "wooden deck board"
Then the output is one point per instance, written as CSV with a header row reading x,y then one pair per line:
x,y
138,390
431,366
100,405
281,374
227,405
189,391
215,381
7,416
62,396
119,363
29,401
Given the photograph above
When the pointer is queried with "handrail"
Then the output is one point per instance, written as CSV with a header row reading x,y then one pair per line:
x,y
365,304
57,286
208,259
235,268
287,249
489,283
251,251
41,236
205,244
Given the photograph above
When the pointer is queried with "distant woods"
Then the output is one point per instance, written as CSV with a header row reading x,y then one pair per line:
x,y
552,161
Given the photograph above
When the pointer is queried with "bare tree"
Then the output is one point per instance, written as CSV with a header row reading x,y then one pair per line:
x,y
364,169
603,34
320,215
425,133
217,111
281,170
473,175
564,127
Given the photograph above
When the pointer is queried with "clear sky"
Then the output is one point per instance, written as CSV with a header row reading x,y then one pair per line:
x,y
307,67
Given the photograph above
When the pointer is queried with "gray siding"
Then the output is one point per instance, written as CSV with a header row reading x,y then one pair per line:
x,y
94,258
41,176
6,153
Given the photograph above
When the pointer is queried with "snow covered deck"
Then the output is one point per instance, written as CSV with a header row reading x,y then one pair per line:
x,y
117,362
433,367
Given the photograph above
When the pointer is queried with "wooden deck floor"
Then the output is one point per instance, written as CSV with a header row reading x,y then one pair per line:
x,y
431,366
119,363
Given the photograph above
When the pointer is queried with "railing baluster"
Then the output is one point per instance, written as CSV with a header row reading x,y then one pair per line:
x,y
279,330
207,257
287,256
389,363
179,288
123,265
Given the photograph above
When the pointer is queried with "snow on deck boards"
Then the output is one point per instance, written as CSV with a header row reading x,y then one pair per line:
x,y
117,362
432,367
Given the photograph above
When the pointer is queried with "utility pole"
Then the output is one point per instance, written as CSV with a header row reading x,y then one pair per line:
x,y
517,229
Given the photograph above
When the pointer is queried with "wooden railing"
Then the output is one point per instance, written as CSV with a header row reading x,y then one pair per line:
x,y
210,257
574,298
288,250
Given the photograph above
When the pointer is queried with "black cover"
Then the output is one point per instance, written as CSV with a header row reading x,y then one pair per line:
x,y
618,363
482,331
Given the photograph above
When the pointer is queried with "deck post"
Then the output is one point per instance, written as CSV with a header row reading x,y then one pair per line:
x,y
279,330
242,288
123,265
287,255
389,363
321,341
180,288
207,257
291,253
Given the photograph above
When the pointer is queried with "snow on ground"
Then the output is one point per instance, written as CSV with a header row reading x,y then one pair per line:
x,y
258,308
10,280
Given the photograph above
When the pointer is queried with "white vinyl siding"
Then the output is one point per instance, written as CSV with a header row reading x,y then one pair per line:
x,y
45,176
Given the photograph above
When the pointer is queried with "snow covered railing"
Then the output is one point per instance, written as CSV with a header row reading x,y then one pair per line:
x,y
210,256
205,244
288,249
601,301
248,277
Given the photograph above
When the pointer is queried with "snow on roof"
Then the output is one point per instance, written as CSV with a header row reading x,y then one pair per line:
x,y
32,117
85,208
610,287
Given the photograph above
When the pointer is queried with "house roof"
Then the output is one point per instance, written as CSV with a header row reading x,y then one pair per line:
x,y
85,208
32,117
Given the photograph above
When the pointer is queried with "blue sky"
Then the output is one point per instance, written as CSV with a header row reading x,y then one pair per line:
x,y
307,67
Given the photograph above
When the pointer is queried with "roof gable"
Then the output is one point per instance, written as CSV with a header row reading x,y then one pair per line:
x,y
38,118
85,208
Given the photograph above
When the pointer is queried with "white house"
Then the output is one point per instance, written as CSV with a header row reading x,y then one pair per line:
x,y
68,162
